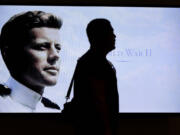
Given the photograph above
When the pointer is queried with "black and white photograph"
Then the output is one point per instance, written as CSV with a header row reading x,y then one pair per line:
x,y
145,56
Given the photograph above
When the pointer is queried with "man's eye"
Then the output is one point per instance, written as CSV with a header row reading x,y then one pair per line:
x,y
58,47
40,46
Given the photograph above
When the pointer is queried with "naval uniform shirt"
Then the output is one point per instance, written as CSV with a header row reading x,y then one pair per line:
x,y
22,99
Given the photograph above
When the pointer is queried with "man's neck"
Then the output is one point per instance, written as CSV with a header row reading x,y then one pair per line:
x,y
99,52
35,88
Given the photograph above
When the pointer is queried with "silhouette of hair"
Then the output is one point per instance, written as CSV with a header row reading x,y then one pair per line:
x,y
14,33
98,29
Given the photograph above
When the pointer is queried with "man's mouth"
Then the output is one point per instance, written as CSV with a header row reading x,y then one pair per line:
x,y
52,70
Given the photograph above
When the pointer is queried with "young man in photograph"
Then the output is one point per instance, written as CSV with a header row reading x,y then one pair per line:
x,y
30,47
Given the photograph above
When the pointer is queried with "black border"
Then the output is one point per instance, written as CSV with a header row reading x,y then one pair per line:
x,y
137,3
51,123
129,123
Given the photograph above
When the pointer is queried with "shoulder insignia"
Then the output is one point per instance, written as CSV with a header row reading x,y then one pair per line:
x,y
4,90
50,104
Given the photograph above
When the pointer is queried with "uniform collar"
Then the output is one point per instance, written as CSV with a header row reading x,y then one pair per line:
x,y
23,94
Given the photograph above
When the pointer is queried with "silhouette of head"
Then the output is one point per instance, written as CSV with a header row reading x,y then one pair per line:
x,y
101,35
29,43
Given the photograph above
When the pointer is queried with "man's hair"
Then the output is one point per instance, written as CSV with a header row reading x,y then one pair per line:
x,y
97,29
15,32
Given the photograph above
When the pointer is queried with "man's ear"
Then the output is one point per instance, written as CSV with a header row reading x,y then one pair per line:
x,y
4,54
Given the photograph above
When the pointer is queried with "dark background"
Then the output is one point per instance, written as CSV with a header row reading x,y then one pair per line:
x,y
52,124
129,123
159,3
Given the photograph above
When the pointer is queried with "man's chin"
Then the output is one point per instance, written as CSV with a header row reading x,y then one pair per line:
x,y
112,48
50,81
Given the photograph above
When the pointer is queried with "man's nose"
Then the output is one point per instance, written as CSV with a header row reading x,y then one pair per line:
x,y
53,55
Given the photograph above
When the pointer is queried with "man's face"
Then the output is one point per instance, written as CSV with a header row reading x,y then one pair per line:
x,y
42,57
111,39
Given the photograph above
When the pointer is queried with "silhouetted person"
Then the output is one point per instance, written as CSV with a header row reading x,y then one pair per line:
x,y
95,83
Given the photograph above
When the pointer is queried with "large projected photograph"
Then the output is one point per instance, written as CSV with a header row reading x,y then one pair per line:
x,y
127,57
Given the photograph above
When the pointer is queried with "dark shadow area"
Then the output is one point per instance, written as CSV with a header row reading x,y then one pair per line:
x,y
50,124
